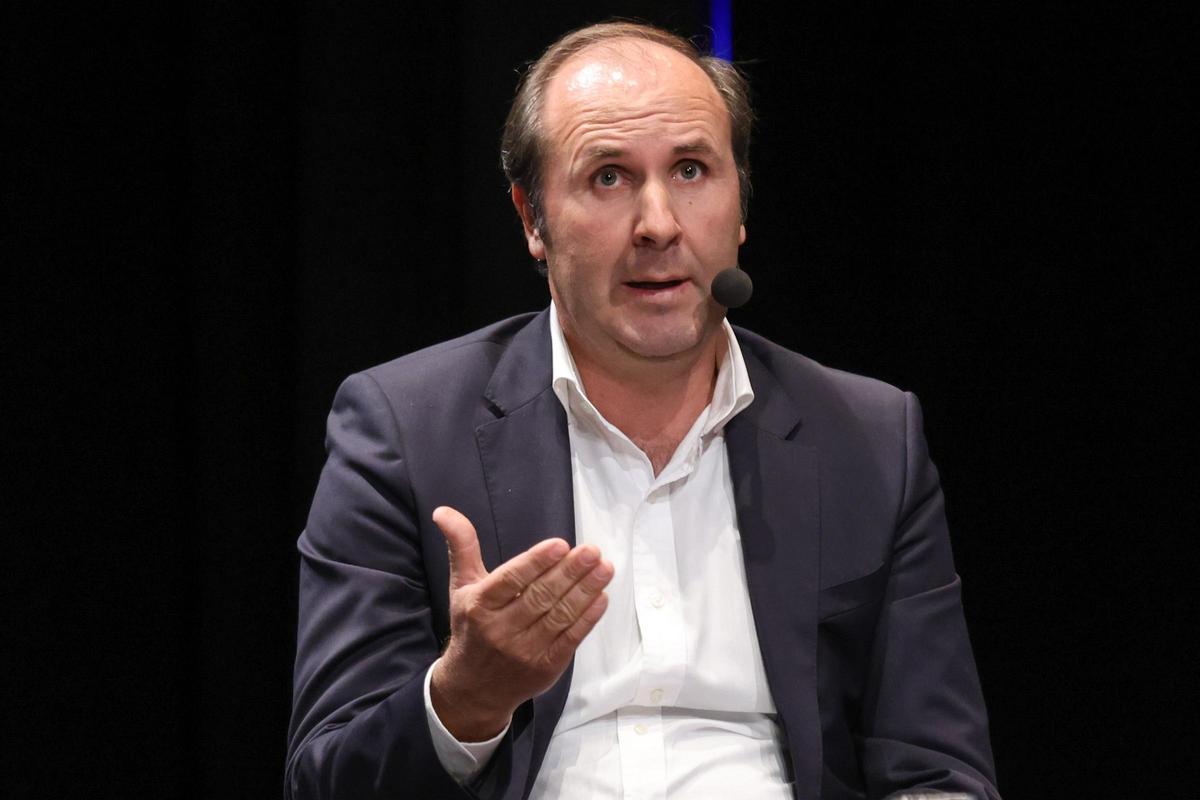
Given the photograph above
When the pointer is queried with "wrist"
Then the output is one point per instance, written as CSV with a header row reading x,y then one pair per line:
x,y
467,713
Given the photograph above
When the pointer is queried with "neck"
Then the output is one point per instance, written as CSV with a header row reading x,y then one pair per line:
x,y
652,401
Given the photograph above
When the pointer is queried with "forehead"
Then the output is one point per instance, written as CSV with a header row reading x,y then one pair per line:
x,y
630,86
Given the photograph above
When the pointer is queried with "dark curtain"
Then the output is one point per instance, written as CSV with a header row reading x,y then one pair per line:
x,y
213,212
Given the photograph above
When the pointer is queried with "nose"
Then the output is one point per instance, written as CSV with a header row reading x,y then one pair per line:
x,y
656,225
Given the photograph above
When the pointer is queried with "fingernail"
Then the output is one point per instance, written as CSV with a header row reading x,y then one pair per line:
x,y
588,557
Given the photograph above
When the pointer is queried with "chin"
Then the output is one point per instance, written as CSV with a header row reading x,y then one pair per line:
x,y
664,344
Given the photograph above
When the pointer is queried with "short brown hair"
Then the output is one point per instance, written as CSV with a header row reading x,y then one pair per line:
x,y
522,146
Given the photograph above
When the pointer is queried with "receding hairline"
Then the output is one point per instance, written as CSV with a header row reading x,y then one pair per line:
x,y
631,49
625,46
634,50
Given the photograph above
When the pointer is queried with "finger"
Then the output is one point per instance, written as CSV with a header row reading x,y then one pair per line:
x,y
544,593
462,543
512,577
567,642
578,599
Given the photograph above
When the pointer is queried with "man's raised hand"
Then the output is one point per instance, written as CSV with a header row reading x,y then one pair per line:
x,y
513,631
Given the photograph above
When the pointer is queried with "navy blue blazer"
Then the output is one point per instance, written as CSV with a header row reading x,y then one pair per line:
x,y
856,602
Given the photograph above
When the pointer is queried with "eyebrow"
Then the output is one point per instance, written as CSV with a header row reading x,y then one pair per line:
x,y
698,146
602,152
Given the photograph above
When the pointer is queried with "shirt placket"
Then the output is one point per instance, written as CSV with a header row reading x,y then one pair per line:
x,y
664,645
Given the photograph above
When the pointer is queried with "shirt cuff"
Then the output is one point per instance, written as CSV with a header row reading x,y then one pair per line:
x,y
462,760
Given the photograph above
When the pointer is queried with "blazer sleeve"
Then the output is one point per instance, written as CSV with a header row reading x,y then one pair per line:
x,y
924,719
365,636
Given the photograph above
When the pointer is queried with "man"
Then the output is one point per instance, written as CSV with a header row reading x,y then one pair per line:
x,y
664,559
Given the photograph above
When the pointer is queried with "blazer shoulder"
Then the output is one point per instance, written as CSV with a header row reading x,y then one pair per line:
x,y
819,388
457,367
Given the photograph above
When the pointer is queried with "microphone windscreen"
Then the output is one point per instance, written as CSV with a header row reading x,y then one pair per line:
x,y
732,287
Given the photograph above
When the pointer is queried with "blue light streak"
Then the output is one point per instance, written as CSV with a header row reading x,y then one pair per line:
x,y
721,21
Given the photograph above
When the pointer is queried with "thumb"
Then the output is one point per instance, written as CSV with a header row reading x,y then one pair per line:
x,y
466,564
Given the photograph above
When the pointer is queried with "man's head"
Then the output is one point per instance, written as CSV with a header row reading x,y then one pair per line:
x,y
522,147
628,169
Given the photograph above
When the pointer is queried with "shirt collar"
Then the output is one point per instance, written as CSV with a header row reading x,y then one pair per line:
x,y
732,391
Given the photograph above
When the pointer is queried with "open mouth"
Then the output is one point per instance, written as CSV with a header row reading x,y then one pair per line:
x,y
652,285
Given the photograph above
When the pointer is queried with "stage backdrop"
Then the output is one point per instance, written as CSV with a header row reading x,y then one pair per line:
x,y
213,212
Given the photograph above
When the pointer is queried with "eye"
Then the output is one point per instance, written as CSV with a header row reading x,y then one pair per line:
x,y
607,176
690,170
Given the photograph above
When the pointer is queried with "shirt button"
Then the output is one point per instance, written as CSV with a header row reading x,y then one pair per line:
x,y
657,600
639,729
656,696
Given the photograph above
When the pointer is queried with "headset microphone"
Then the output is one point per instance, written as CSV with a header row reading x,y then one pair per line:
x,y
732,287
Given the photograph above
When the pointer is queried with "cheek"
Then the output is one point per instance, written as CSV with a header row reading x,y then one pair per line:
x,y
593,245
601,232
716,206
715,225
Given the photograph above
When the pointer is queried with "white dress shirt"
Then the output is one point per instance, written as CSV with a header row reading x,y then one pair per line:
x,y
668,696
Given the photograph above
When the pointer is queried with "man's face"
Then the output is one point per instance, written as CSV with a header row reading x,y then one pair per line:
x,y
640,195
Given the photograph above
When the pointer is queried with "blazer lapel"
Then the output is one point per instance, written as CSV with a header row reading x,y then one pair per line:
x,y
526,456
776,491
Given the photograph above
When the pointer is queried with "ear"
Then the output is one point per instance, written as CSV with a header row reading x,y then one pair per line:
x,y
533,237
742,235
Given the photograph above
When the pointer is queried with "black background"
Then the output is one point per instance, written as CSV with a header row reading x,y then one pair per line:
x,y
214,212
